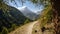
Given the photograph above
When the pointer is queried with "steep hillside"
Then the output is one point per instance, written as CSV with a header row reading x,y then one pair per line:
x,y
46,20
10,18
46,15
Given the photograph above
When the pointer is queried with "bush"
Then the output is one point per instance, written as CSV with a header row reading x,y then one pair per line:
x,y
14,26
26,21
5,30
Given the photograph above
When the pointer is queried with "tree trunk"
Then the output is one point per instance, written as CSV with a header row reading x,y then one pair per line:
x,y
56,15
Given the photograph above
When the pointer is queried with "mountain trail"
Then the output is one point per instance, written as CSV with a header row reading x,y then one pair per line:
x,y
25,29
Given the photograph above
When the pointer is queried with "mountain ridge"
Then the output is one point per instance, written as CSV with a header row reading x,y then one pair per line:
x,y
28,13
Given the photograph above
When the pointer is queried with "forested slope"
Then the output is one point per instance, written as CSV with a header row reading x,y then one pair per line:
x,y
10,18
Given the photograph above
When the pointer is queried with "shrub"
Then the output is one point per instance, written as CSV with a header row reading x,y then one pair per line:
x,y
5,30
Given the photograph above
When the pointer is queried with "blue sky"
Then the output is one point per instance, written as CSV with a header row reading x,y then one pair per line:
x,y
28,4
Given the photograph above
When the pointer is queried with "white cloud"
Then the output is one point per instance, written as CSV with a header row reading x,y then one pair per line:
x,y
21,7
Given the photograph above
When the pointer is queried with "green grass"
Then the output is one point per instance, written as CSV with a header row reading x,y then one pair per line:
x,y
46,16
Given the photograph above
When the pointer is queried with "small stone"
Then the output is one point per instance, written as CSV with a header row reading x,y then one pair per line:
x,y
35,31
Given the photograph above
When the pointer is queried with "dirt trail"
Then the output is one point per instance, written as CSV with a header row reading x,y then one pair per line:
x,y
25,29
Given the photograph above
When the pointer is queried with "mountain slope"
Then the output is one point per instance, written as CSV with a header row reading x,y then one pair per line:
x,y
10,17
28,13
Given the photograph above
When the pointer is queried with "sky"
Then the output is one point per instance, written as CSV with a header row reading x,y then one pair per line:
x,y
27,4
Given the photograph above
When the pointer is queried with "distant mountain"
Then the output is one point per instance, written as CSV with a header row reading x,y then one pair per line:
x,y
28,13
